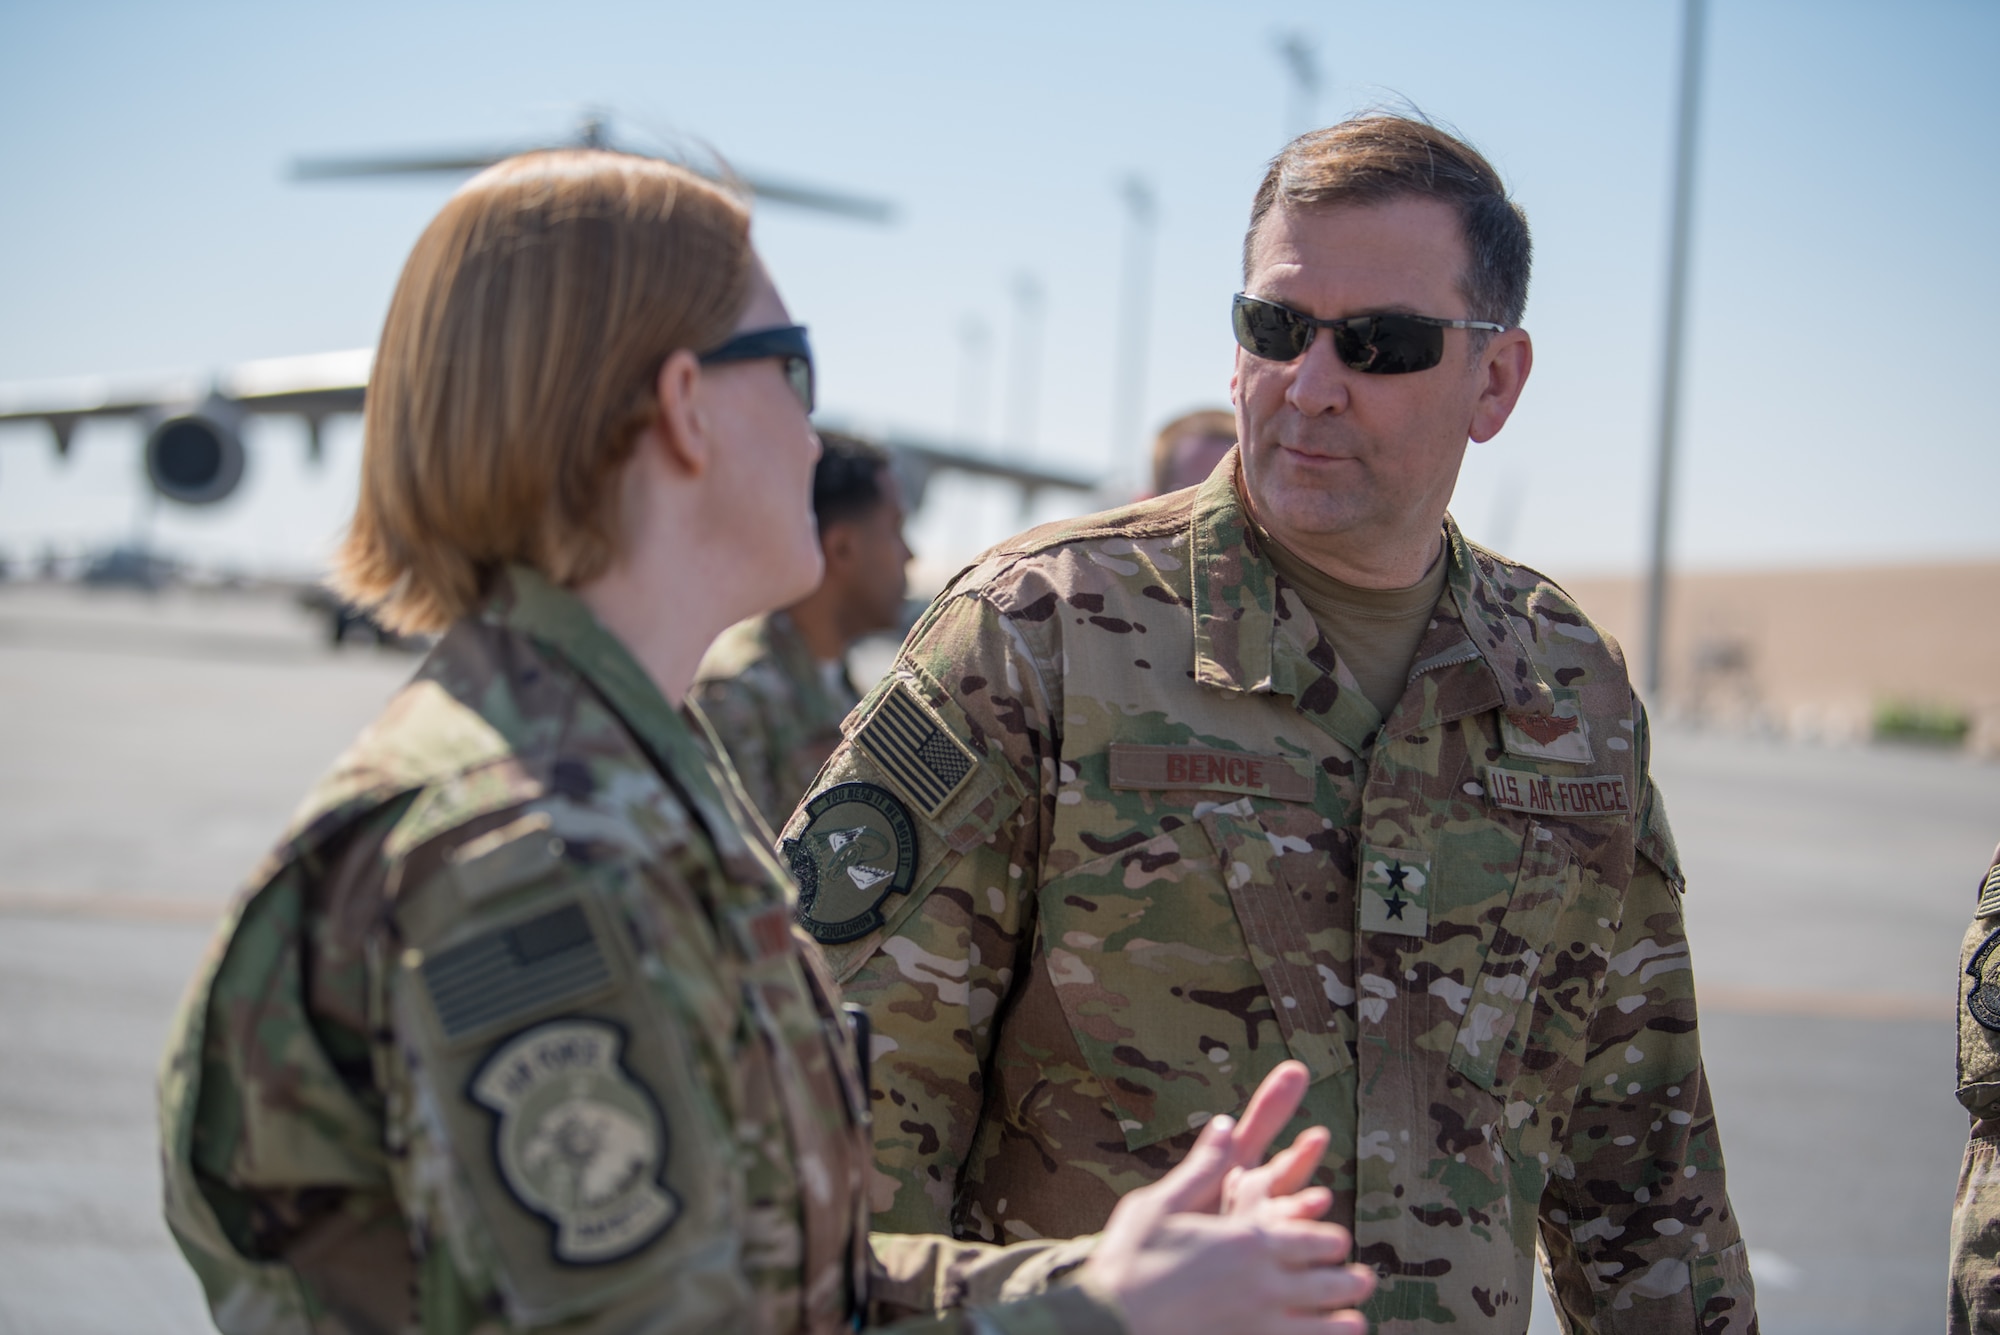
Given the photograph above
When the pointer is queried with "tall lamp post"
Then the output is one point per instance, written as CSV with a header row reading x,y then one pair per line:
x,y
1302,64
1021,404
1135,311
1693,15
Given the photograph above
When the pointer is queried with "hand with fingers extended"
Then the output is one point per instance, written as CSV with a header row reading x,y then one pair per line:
x,y
1228,1241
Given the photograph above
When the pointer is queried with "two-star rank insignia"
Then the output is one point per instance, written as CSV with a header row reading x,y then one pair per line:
x,y
1394,887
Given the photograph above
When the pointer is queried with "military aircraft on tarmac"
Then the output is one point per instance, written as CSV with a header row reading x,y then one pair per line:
x,y
194,453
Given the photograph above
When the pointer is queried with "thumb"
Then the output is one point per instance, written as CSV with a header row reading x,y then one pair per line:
x,y
1196,1181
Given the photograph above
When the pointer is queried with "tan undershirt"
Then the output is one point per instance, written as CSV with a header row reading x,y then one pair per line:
x,y
1375,631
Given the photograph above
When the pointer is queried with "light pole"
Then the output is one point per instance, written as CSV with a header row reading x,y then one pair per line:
x,y
1135,308
975,344
1302,64
1027,362
1693,13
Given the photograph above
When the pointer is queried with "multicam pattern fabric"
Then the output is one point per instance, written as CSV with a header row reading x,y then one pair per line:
x,y
775,712
1192,848
513,1031
1975,1219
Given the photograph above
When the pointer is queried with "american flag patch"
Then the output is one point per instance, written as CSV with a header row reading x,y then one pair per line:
x,y
927,763
1989,892
529,966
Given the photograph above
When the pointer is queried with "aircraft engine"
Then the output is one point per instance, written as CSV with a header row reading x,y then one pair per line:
x,y
196,457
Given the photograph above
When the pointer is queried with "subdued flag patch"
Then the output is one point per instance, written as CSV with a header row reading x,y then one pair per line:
x,y
506,974
915,750
1989,894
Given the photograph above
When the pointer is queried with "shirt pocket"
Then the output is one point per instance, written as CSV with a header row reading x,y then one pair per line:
x,y
1166,987
1556,911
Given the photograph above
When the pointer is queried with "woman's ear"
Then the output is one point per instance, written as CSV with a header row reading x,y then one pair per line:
x,y
684,418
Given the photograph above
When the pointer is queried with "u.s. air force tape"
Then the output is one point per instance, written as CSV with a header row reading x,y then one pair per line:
x,y
857,848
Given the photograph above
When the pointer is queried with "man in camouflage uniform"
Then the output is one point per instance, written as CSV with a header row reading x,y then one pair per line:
x,y
775,688
1975,1220
1134,818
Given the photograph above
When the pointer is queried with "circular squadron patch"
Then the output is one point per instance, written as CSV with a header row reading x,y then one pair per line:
x,y
857,848
577,1139
1983,1001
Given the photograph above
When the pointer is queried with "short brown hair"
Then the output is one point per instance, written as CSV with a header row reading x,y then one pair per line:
x,y
517,369
1377,157
1217,422
847,480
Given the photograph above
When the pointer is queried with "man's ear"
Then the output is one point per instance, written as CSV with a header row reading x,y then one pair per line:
x,y
836,545
1504,366
683,418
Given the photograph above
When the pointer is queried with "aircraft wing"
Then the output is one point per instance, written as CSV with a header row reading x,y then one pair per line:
x,y
918,459
325,384
314,387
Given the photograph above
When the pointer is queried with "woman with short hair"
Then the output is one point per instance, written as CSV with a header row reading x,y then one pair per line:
x,y
512,1030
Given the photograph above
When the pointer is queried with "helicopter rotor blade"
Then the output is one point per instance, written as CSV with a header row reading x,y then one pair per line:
x,y
328,169
795,195
791,194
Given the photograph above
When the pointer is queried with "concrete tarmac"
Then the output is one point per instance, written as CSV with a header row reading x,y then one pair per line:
x,y
152,748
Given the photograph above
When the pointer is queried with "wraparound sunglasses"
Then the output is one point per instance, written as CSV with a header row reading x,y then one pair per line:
x,y
787,343
1376,344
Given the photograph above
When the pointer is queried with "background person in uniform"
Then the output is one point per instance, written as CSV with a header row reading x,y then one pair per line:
x,y
1285,766
1188,448
512,1030
775,688
1975,1220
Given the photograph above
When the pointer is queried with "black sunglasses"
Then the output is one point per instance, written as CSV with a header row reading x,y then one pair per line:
x,y
1377,344
787,343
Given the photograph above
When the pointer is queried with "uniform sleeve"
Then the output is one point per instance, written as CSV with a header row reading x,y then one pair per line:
x,y
1975,1218
736,716
557,1090
934,975
1016,1290
1636,1225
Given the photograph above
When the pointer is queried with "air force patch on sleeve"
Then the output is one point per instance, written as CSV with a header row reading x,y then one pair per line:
x,y
1983,1001
856,849
577,1139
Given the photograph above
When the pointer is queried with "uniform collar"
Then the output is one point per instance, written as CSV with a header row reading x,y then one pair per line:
x,y
528,603
1247,639
1493,614
788,646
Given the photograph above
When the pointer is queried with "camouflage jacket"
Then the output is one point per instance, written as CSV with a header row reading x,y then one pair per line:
x,y
513,1030
1975,1219
1120,832
765,697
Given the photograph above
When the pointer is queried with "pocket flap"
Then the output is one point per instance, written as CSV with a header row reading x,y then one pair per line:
x,y
1503,996
1155,979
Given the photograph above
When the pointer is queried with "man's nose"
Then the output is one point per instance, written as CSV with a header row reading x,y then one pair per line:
x,y
1320,382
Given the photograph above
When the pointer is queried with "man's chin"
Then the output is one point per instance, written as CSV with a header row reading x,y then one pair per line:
x,y
1308,511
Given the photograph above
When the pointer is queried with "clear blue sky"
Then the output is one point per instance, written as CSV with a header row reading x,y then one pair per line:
x,y
1843,312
